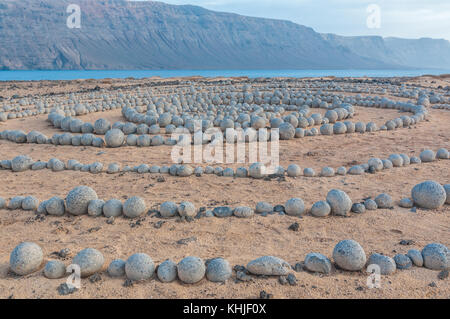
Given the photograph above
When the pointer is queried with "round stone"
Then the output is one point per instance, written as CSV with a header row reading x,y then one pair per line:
x,y
167,271
116,268
257,170
384,201
286,131
263,207
243,212
427,156
416,257
436,256
339,202
294,207
429,194
112,208
134,207
90,261
402,261
349,255
327,172
26,258
341,171
396,160
317,263
442,153
21,163
387,264
294,170
358,208
320,209
55,206
95,207
376,163
101,126
191,270
186,209
218,270
114,138
139,267
15,202
356,170
30,203
54,269
222,212
406,203
168,209
309,172
77,201
370,204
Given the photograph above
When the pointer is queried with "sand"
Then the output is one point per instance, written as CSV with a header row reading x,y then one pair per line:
x,y
237,240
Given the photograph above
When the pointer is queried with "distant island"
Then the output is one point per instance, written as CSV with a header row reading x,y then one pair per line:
x,y
120,35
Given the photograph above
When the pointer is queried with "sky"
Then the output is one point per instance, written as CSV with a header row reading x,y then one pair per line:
x,y
398,18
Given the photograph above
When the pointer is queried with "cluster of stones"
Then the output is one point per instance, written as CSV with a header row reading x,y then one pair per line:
x,y
257,170
225,107
83,200
79,201
348,255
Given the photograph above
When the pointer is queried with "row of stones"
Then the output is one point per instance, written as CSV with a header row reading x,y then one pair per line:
x,y
257,170
84,200
348,255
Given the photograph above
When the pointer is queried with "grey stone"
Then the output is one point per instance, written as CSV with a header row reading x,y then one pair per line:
x,y
384,201
186,209
95,207
191,270
77,200
134,207
427,156
339,202
30,203
26,258
243,212
222,211
269,266
416,257
294,207
442,153
402,261
21,163
112,208
387,264
117,268
406,203
370,204
358,208
320,209
317,263
55,206
294,170
429,194
218,270
168,209
16,202
167,271
436,256
54,269
309,172
90,261
349,255
263,207
139,267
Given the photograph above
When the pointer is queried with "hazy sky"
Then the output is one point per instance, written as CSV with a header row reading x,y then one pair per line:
x,y
400,18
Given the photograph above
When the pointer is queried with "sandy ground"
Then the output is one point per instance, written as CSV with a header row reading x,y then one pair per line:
x,y
237,240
